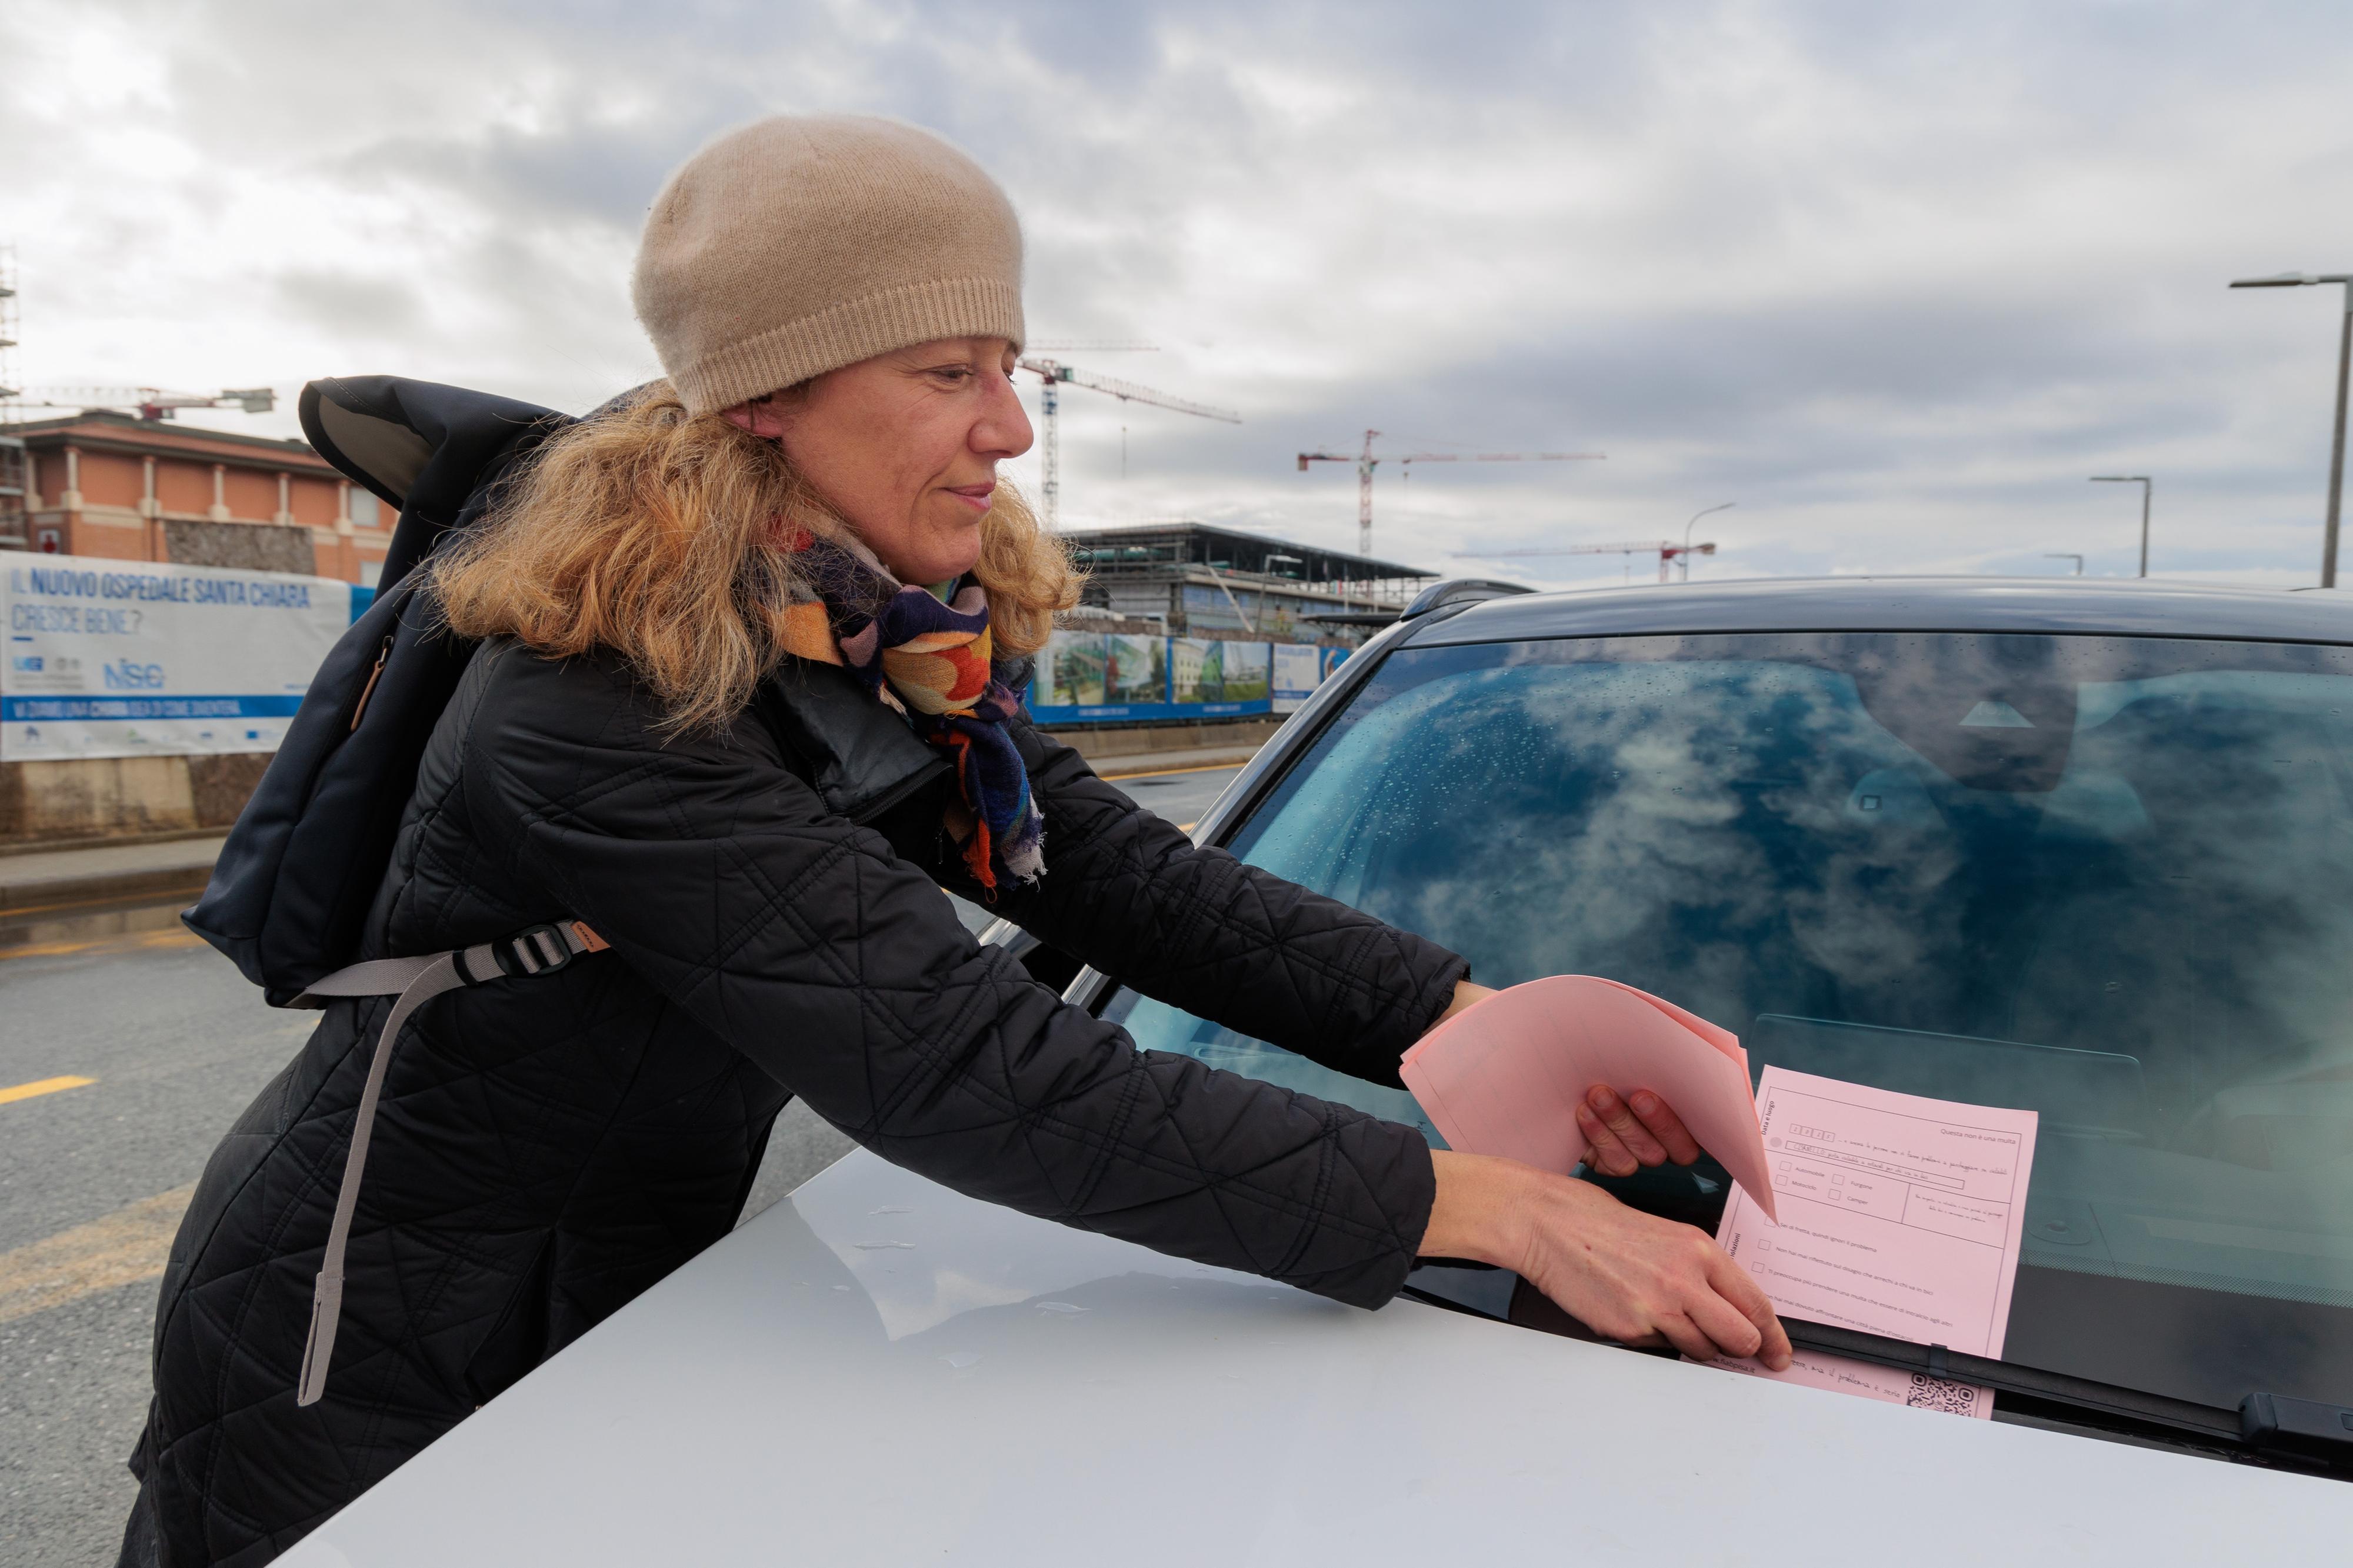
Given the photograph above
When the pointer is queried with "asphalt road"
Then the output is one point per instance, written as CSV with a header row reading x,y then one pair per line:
x,y
173,1044
1180,796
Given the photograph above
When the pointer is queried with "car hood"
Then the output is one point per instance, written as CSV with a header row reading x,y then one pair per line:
x,y
880,1371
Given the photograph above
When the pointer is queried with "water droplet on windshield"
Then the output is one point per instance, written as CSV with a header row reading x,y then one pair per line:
x,y
890,1210
886,1246
960,1359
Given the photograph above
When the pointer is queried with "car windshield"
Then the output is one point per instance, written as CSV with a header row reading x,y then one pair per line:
x,y
2102,877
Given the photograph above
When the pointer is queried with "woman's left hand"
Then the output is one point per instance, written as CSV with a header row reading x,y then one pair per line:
x,y
1624,1137
1627,1134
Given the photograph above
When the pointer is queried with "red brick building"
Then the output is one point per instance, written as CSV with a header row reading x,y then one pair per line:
x,y
105,484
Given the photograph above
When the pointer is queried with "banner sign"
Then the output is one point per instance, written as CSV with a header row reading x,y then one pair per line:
x,y
1070,671
130,659
1298,670
1098,677
1135,672
1244,675
1085,677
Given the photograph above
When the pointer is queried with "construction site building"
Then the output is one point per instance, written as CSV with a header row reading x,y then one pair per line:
x,y
104,484
1193,579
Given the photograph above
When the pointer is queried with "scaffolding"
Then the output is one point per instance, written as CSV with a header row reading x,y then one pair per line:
x,y
15,471
1195,576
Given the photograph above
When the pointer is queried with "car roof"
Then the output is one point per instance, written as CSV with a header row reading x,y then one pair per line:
x,y
2067,604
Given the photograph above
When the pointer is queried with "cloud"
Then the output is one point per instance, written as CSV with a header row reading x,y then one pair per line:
x,y
1895,276
346,301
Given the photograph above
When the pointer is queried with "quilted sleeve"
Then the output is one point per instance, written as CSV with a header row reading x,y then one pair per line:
x,y
802,941
1126,892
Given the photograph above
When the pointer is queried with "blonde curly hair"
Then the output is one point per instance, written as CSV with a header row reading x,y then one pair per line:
x,y
651,531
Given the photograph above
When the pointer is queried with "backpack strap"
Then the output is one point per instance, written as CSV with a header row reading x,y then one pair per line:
x,y
541,950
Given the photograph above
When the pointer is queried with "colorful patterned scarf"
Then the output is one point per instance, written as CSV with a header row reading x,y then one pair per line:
x,y
930,660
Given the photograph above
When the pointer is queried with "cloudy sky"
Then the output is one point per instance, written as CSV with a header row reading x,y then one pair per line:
x,y
1893,276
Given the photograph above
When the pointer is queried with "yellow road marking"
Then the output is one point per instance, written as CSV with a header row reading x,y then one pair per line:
x,y
42,1086
128,1245
1158,772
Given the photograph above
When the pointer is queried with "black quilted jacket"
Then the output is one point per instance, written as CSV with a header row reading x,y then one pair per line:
x,y
549,1147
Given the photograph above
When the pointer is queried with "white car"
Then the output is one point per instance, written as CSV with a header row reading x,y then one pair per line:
x,y
2078,849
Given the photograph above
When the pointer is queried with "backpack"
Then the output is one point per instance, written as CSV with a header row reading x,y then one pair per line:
x,y
295,879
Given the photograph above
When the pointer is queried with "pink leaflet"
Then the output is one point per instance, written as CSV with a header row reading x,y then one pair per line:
x,y
1906,1219
1506,1076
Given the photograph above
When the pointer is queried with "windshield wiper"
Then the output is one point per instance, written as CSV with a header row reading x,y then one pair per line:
x,y
2265,1426
2268,1424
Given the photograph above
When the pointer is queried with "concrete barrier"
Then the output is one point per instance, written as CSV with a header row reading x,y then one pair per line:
x,y
1110,742
63,802
67,800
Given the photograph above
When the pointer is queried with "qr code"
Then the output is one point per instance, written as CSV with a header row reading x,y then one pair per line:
x,y
1940,1393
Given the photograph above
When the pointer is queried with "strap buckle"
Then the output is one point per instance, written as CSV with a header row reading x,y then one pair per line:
x,y
538,950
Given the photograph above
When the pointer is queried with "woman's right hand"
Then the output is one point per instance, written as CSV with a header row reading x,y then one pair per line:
x,y
1628,1276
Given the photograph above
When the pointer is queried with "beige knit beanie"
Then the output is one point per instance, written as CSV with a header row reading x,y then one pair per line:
x,y
801,244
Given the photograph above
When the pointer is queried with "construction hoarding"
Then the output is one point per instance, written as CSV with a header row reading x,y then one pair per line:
x,y
119,658
1109,678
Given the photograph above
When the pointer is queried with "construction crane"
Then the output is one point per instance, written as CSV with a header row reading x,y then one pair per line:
x,y
148,401
1054,374
1367,462
1669,551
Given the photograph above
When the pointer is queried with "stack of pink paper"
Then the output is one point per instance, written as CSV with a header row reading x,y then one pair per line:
x,y
1506,1076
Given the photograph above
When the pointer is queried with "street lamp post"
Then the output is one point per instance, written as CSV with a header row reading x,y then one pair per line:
x,y
2143,482
1687,555
2069,555
2344,358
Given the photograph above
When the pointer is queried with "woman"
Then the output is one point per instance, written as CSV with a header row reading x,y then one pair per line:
x,y
740,708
